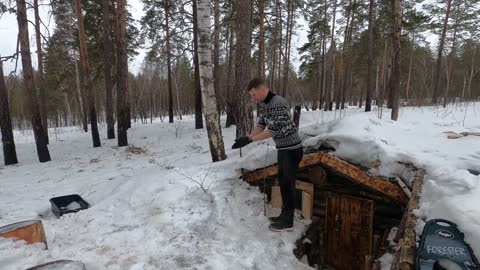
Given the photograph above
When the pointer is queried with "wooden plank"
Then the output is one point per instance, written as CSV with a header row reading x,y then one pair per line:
x,y
349,223
307,205
276,197
307,198
339,166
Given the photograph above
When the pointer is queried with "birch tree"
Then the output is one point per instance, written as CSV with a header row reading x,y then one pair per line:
x,y
212,117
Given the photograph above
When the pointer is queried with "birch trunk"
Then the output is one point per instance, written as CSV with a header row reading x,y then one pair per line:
x,y
212,117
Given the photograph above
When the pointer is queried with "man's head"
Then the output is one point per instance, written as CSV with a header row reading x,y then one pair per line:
x,y
257,89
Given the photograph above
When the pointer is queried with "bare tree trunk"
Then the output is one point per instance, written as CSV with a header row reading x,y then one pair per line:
x,y
275,44
216,52
440,52
368,103
122,73
288,41
8,142
395,78
410,67
261,40
244,112
280,32
451,57
376,85
41,80
212,117
169,64
323,91
198,92
447,86
230,107
344,57
81,95
472,73
40,140
177,75
107,69
329,106
85,73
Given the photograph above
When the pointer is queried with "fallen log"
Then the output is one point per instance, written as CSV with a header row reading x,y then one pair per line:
x,y
405,257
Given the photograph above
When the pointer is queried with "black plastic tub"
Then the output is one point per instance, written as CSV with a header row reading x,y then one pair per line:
x,y
68,204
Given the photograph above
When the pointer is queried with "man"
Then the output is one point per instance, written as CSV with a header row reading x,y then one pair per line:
x,y
275,121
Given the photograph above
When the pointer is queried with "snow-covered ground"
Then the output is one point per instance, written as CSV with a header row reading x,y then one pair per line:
x,y
148,212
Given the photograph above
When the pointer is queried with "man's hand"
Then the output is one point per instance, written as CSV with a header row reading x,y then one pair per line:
x,y
241,142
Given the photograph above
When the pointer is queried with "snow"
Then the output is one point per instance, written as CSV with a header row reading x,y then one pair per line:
x,y
72,206
148,210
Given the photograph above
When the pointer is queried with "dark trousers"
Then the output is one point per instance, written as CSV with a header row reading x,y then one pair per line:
x,y
288,161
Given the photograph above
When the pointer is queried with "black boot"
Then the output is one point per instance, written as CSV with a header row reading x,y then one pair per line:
x,y
277,219
281,226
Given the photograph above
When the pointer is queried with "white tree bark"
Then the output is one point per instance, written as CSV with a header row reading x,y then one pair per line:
x,y
212,118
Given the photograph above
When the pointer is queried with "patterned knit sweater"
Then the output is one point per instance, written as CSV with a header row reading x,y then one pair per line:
x,y
274,114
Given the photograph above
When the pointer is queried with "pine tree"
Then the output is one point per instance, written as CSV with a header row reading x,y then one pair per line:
x,y
40,140
8,142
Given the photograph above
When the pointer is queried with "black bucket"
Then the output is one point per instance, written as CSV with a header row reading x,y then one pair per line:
x,y
68,204
442,242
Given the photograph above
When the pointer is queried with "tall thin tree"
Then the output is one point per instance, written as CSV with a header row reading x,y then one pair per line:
x,y
198,90
40,140
216,50
212,116
85,73
244,111
368,104
122,73
8,142
41,79
107,68
261,39
169,62
395,78
441,43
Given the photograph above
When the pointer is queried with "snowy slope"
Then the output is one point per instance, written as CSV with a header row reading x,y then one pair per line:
x,y
147,214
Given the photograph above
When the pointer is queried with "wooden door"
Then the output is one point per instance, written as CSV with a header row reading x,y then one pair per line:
x,y
349,231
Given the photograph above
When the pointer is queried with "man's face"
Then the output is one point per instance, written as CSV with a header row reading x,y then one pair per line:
x,y
259,93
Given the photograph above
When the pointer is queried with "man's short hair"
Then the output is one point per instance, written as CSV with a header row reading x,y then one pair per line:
x,y
255,83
